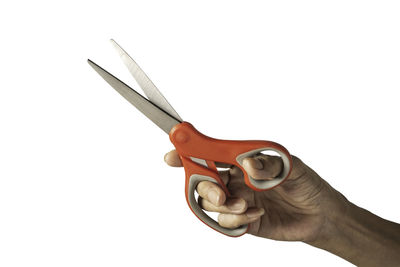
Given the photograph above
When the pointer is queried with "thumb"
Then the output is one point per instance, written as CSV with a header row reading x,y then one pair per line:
x,y
263,167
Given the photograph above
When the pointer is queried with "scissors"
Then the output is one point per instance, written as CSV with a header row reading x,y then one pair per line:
x,y
198,152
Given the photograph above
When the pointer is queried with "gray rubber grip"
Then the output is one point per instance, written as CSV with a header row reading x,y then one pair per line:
x,y
266,184
194,180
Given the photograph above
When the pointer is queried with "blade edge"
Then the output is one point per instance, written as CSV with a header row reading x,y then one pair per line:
x,y
148,87
158,116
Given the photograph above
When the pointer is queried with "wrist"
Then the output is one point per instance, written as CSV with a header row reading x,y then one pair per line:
x,y
336,219
360,237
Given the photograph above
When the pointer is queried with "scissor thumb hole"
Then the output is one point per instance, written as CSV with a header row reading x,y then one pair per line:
x,y
263,167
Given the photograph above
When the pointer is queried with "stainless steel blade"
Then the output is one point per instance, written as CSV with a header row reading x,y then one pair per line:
x,y
161,118
148,87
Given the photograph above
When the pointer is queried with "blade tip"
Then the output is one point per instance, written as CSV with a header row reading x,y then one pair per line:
x,y
91,63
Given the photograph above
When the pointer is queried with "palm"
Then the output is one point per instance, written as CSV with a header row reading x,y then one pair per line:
x,y
292,210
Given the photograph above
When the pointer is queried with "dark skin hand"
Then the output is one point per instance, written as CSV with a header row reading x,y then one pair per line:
x,y
303,208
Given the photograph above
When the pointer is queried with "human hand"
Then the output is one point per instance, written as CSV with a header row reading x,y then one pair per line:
x,y
296,210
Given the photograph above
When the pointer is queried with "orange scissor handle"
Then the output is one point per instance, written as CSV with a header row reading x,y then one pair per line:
x,y
198,154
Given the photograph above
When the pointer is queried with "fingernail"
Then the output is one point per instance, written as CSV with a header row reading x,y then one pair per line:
x,y
254,213
214,197
236,204
257,164
253,163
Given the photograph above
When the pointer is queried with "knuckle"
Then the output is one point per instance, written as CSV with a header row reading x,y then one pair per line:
x,y
233,221
201,186
208,206
296,161
272,162
298,167
263,158
236,221
261,174
234,171
204,186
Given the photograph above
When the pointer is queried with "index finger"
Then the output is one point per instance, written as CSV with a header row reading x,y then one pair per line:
x,y
172,159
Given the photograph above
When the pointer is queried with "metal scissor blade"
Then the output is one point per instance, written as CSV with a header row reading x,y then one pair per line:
x,y
148,87
161,118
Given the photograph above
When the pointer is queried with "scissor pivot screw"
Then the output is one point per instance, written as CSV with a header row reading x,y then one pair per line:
x,y
181,136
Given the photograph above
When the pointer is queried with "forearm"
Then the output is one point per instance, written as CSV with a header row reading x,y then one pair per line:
x,y
361,238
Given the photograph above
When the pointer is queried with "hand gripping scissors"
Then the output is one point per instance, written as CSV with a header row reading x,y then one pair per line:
x,y
197,151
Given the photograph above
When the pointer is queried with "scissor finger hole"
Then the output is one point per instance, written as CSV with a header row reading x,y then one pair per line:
x,y
212,214
208,218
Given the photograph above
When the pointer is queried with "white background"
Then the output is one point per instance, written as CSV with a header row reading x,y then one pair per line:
x,y
82,178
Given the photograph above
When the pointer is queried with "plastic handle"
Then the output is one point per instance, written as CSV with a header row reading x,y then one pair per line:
x,y
192,145
193,178
267,184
